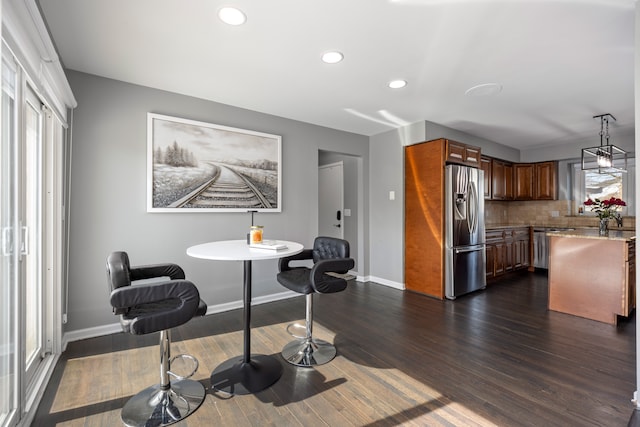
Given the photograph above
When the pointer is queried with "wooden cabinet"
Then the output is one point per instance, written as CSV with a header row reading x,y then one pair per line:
x,y
485,165
501,180
523,181
495,253
629,301
536,181
424,217
462,154
521,248
546,177
507,250
508,181
490,252
498,178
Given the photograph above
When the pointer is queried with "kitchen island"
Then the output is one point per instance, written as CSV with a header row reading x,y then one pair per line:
x,y
592,276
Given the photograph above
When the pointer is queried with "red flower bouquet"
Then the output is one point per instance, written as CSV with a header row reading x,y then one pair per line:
x,y
605,209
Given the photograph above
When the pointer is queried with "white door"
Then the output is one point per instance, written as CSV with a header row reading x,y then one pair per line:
x,y
330,200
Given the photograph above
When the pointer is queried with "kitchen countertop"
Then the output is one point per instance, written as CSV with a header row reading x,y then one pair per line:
x,y
500,227
592,233
559,227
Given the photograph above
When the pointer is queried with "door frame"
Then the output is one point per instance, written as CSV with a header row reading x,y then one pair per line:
x,y
354,181
342,221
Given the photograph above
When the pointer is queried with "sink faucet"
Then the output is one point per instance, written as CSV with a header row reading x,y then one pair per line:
x,y
618,219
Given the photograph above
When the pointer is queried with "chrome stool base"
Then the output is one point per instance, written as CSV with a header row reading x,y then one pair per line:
x,y
308,353
153,407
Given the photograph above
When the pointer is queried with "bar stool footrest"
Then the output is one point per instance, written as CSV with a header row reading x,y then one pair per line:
x,y
188,357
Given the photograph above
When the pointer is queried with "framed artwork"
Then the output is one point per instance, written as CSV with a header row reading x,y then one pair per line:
x,y
201,167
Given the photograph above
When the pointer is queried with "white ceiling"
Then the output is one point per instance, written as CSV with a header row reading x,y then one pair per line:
x,y
559,62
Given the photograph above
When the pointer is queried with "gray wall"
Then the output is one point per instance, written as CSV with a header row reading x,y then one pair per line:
x,y
573,149
108,194
386,217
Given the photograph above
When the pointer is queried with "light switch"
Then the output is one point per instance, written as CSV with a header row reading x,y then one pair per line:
x,y
392,195
347,212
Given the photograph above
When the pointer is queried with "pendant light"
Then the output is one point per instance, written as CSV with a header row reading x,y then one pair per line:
x,y
606,157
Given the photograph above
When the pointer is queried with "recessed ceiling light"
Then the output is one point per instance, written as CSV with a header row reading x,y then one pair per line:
x,y
332,57
486,89
397,84
232,16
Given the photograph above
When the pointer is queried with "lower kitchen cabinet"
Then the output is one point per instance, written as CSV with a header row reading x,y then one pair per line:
x,y
507,249
631,277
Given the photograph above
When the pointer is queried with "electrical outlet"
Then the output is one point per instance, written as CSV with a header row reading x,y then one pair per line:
x,y
392,195
555,214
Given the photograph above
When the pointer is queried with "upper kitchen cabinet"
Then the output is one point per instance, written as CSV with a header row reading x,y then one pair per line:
x,y
485,165
501,180
498,178
546,179
523,177
462,154
536,181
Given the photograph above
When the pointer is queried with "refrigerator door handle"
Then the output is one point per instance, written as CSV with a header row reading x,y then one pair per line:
x,y
465,250
472,207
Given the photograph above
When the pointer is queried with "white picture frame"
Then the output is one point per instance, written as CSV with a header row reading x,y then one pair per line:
x,y
195,166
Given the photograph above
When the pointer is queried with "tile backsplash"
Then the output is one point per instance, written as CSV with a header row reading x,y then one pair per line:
x,y
554,213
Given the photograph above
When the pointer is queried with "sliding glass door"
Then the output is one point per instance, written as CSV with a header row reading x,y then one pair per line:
x,y
8,256
29,213
34,103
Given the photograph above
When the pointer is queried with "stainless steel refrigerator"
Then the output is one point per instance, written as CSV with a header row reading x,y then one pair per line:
x,y
465,254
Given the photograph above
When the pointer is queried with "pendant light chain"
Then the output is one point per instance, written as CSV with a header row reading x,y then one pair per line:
x,y
601,129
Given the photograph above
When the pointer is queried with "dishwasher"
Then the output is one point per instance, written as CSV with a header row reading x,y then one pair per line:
x,y
541,245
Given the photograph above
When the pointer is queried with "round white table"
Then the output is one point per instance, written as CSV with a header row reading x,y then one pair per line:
x,y
248,373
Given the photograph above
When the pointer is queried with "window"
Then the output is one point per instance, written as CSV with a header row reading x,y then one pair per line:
x,y
594,185
602,185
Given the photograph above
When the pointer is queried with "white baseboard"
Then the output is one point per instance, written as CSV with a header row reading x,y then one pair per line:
x,y
96,331
114,328
385,282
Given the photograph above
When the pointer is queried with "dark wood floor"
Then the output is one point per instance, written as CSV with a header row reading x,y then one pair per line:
x,y
495,357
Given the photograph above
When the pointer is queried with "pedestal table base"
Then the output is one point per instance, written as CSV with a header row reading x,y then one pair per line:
x,y
235,376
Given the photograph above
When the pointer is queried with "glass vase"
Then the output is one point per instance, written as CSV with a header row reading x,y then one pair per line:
x,y
603,227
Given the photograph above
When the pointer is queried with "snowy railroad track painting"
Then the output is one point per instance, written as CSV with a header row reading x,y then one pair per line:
x,y
228,189
200,167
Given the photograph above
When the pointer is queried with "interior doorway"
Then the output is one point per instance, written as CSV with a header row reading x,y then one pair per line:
x,y
352,218
331,200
